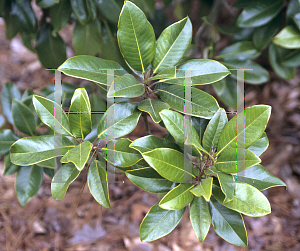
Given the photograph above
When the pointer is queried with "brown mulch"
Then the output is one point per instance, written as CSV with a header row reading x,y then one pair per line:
x,y
45,224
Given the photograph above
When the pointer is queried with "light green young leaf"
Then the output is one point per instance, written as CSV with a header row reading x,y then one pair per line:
x,y
78,155
213,130
136,37
172,44
80,114
149,180
32,150
288,37
259,13
124,156
228,224
168,163
62,180
200,217
203,189
159,222
203,104
126,86
178,198
256,119
153,107
45,109
126,116
247,200
97,181
28,182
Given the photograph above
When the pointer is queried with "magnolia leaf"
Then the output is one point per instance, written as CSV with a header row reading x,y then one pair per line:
x,y
203,189
136,37
62,180
200,217
159,222
98,185
260,145
240,50
149,180
172,44
153,107
10,168
60,14
7,138
288,37
78,155
178,198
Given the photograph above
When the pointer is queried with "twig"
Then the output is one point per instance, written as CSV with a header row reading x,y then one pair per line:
x,y
146,123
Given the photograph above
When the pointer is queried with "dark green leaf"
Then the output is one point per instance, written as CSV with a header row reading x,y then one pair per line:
x,y
51,50
110,9
84,10
292,9
239,50
159,222
149,180
62,180
46,3
49,172
228,224
226,89
292,59
10,168
28,182
32,150
172,44
136,37
200,125
200,217
60,15
7,138
23,117
8,93
203,104
97,181
259,13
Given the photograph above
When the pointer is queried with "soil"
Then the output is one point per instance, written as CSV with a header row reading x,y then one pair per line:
x,y
78,222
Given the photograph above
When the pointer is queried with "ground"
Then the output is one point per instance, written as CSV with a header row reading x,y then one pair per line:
x,y
78,222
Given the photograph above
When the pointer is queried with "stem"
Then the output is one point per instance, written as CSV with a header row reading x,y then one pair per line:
x,y
146,123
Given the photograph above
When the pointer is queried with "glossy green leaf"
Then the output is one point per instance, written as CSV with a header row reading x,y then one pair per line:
x,y
11,24
91,68
159,222
45,109
239,50
8,93
78,155
10,168
288,37
151,142
125,117
7,138
257,176
172,44
247,200
296,19
276,54
168,163
200,125
256,75
259,13
178,198
203,104
22,12
228,161
260,145
213,130
202,71
175,124
50,50
126,86
149,180
228,224
49,172
203,189
136,37
110,9
262,36
153,107
124,156
293,8
60,15
200,217
62,180
80,114
28,182
292,59
32,150
84,10
169,72
98,185
46,3
23,117
256,119
87,39
226,89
